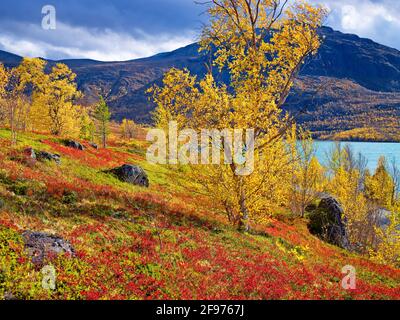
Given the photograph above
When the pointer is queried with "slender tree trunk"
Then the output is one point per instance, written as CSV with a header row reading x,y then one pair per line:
x,y
244,221
104,135
393,198
303,203
12,126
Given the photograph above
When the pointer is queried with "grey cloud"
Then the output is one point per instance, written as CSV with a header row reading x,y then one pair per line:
x,y
128,29
375,19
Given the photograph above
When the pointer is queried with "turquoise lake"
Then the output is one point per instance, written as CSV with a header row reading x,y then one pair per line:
x,y
372,151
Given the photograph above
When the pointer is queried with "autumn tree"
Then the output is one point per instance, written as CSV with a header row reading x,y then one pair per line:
x,y
367,200
31,79
128,128
380,186
16,94
60,92
395,174
3,83
382,189
87,127
102,116
53,97
13,101
262,45
387,250
34,78
32,99
344,184
337,157
308,177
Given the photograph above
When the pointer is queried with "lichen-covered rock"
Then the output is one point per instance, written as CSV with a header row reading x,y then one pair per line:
x,y
74,144
30,153
131,174
40,245
44,155
326,221
9,296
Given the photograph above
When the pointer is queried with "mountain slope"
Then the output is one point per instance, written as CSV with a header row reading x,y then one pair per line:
x,y
9,59
346,56
369,69
328,107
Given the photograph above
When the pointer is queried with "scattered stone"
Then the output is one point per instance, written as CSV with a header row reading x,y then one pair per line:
x,y
30,153
327,222
40,246
74,144
9,296
131,174
44,155
93,145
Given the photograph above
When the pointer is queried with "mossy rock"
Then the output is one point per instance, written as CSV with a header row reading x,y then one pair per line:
x,y
326,222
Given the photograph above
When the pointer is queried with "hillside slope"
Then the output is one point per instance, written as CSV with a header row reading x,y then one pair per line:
x,y
161,242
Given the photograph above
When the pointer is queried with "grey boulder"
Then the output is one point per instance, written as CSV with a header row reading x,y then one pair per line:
x,y
40,245
44,155
74,144
327,222
132,174
93,145
30,153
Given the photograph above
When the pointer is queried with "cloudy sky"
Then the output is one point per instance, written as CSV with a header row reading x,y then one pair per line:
x,y
128,29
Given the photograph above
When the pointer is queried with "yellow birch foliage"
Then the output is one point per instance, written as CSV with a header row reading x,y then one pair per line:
x,y
379,187
3,83
345,187
262,48
128,128
3,79
52,108
308,175
388,249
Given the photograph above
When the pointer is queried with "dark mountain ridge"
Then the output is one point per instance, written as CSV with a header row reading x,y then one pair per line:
x,y
366,68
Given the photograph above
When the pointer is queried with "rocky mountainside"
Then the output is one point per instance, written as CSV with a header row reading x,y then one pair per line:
x,y
351,83
346,56
342,109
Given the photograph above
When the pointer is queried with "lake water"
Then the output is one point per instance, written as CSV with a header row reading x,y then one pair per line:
x,y
372,151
